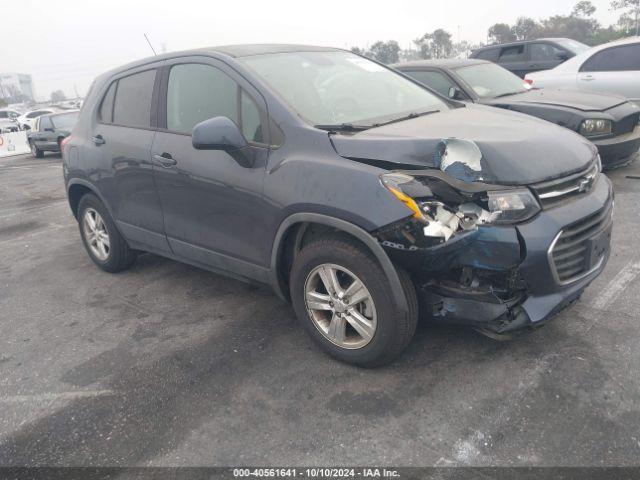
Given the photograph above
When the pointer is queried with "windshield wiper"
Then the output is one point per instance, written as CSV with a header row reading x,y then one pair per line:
x,y
509,93
343,127
406,117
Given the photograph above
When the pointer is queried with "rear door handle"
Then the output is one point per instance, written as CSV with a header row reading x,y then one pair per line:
x,y
166,160
98,140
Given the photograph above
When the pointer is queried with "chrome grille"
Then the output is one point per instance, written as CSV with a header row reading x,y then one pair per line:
x,y
557,191
570,252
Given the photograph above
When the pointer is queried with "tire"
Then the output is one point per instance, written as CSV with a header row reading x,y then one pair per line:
x,y
35,151
393,329
118,256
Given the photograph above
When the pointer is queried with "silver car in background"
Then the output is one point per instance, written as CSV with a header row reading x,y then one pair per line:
x,y
609,68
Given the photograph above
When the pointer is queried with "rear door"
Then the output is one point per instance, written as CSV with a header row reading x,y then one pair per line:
x,y
613,70
213,205
120,144
513,58
44,134
545,56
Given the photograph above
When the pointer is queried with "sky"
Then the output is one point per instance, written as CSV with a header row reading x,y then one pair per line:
x,y
66,43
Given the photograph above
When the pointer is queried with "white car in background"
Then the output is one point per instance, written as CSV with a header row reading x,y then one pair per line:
x,y
28,119
610,68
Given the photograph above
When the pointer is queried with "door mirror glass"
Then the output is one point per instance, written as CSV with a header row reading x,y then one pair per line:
x,y
218,133
456,93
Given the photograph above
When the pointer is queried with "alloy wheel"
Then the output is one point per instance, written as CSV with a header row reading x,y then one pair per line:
x,y
96,234
340,306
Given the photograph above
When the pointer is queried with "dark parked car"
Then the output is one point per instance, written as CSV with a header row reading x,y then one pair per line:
x,y
49,131
609,121
339,182
531,55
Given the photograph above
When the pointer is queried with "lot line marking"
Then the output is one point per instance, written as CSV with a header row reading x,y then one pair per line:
x,y
616,286
47,397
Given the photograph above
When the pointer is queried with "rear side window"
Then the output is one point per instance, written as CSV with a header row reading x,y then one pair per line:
x,y
436,80
197,92
132,105
45,122
514,53
615,59
490,54
106,108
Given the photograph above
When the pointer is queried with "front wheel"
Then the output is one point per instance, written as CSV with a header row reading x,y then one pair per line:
x,y
342,297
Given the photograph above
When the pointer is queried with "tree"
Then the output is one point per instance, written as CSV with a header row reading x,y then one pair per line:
x,y
501,33
525,28
435,45
58,96
577,28
584,8
385,52
631,14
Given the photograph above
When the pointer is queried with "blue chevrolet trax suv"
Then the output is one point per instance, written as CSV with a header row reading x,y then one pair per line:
x,y
359,195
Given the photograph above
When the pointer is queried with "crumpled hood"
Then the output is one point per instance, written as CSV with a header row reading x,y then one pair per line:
x,y
583,101
516,149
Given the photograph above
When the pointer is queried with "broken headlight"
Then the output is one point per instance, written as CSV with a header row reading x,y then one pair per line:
x,y
595,126
405,188
511,206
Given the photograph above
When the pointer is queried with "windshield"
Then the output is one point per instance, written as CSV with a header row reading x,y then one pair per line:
x,y
575,47
489,80
332,88
65,120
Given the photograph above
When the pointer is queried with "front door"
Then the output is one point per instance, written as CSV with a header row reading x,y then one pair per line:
x,y
211,199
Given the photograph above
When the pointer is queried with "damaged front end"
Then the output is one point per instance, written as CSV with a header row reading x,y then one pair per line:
x,y
460,244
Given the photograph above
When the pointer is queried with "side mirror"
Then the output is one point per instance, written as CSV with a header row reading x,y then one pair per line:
x,y
562,56
455,93
218,133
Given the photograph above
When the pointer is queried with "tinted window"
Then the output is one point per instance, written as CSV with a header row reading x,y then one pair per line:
x,y
545,52
573,46
198,92
37,113
616,59
65,121
106,109
132,106
490,54
436,80
512,54
4,114
45,122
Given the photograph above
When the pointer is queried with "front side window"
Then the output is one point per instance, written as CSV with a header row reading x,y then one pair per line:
x,y
489,80
328,88
615,59
37,113
512,54
65,121
197,92
545,52
132,105
436,80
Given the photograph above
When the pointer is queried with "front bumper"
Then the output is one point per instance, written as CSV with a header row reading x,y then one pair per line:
x,y
619,150
533,290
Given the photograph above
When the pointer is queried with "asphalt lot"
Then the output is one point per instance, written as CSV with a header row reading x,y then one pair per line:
x,y
170,365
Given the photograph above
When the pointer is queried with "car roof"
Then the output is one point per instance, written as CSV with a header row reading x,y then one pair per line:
x,y
233,51
522,42
441,63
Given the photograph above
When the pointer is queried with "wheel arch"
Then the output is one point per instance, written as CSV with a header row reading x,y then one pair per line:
x,y
291,232
76,189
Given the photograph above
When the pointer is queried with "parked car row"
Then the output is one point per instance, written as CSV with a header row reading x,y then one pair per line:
x,y
358,194
49,131
610,122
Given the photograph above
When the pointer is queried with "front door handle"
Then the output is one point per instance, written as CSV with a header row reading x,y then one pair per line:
x,y
166,160
98,140
588,78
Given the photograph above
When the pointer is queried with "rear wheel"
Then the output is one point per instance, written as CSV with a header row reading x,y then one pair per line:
x,y
102,240
35,151
342,297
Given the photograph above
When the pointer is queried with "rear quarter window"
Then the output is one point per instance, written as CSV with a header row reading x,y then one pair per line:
x,y
106,107
490,54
